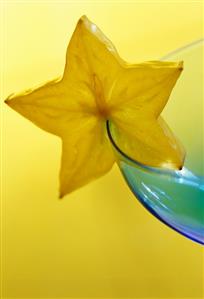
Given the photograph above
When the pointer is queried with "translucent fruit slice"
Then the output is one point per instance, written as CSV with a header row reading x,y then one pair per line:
x,y
98,85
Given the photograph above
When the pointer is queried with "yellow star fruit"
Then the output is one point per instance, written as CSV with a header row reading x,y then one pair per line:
x,y
97,85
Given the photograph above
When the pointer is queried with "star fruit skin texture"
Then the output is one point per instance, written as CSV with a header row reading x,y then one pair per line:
x,y
98,85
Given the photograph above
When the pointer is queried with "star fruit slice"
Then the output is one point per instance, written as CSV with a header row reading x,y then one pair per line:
x,y
96,86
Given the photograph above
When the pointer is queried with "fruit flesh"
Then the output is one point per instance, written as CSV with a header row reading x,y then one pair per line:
x,y
98,85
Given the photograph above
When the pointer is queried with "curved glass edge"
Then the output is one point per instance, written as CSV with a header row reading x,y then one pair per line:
x,y
164,171
186,47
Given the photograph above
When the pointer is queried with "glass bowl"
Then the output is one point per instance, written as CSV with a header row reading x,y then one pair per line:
x,y
175,197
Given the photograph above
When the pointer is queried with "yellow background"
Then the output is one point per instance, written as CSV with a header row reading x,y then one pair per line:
x,y
98,241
